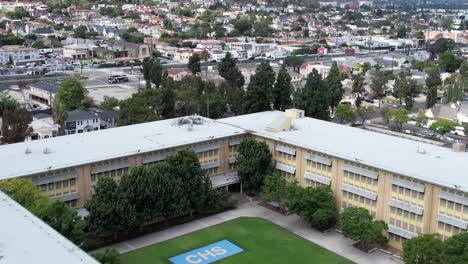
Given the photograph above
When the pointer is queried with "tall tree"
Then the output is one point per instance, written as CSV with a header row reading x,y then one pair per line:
x,y
433,82
378,84
147,65
335,88
455,249
71,95
282,90
195,183
315,97
234,96
399,116
358,83
406,88
194,64
6,103
253,163
205,56
229,71
109,210
16,125
454,88
135,110
168,99
258,95
24,192
357,224
423,249
156,73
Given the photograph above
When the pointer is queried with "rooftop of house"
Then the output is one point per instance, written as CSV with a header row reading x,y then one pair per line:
x,y
46,86
26,239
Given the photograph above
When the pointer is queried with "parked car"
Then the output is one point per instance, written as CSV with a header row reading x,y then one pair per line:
x,y
117,79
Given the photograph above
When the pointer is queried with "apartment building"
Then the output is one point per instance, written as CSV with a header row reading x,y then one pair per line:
x,y
17,54
414,187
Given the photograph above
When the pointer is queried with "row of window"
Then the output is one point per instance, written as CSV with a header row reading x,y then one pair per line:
x,y
210,155
402,193
318,166
446,230
111,173
58,188
287,175
448,206
285,156
360,181
311,183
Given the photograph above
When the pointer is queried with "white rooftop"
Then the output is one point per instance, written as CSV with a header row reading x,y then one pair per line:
x,y
24,238
79,149
438,165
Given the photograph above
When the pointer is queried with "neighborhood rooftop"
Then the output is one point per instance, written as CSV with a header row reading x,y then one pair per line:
x,y
26,239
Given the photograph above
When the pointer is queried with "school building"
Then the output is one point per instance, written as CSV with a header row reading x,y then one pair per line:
x,y
414,187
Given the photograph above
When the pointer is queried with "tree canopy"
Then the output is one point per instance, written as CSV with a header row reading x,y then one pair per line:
x,y
423,249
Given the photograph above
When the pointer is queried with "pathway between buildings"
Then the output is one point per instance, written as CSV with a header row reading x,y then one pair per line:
x,y
332,241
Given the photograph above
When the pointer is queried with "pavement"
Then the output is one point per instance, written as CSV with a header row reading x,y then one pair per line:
x,y
332,240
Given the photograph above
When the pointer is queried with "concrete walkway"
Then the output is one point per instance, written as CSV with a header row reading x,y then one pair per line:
x,y
332,241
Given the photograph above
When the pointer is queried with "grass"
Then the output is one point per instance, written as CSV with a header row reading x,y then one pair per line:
x,y
262,241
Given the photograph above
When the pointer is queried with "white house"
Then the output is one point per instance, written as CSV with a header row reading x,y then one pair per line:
x,y
79,121
43,127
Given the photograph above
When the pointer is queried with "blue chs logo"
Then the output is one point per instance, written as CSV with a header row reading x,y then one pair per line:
x,y
208,254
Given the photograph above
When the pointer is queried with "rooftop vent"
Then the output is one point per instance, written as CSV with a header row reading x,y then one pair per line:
x,y
47,151
421,150
27,151
190,121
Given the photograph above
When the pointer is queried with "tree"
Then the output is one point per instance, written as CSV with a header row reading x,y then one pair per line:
x,y
422,119
243,25
7,103
441,45
399,116
315,97
423,249
205,56
357,224
108,256
229,71
185,166
294,61
401,33
455,249
253,163
454,88
234,96
358,83
443,126
258,95
62,218
433,81
378,84
275,189
24,192
56,214
335,88
344,113
406,88
71,95
109,102
449,62
16,125
194,64
168,99
447,24
134,110
156,74
147,64
216,105
282,90
109,210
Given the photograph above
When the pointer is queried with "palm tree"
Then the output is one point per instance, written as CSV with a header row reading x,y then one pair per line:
x,y
205,55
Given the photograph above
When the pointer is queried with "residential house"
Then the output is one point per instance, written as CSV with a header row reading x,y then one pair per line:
x,y
79,121
178,74
43,127
124,48
43,92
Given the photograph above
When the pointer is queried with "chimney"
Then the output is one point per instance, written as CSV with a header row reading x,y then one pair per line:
x,y
458,147
294,113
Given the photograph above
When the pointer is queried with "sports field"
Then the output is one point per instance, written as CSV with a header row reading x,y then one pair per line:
x,y
262,242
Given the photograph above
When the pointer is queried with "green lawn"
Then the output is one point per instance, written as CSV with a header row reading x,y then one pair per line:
x,y
262,241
